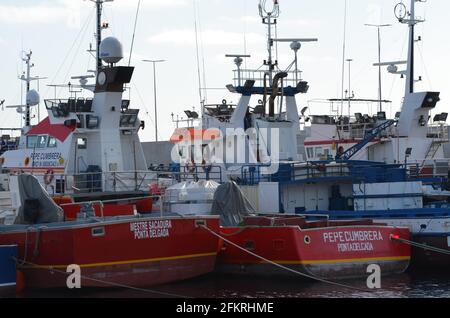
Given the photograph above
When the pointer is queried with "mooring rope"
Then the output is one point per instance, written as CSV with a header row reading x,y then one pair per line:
x,y
22,262
422,246
282,266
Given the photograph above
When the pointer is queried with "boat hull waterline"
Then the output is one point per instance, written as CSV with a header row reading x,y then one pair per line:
x,y
332,253
137,252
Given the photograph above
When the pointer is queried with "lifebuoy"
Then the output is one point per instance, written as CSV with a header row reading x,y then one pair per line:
x,y
49,176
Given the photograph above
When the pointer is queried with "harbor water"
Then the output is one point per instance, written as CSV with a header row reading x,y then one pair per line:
x,y
412,285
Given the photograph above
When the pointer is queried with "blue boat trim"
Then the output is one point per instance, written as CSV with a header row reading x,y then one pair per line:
x,y
428,213
8,266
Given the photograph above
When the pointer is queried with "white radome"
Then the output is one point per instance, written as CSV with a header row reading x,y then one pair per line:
x,y
111,50
33,98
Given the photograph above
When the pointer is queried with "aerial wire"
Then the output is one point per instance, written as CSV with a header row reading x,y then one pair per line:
x,y
134,31
343,57
88,19
202,50
198,55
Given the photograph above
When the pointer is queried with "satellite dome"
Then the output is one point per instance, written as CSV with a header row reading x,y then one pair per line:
x,y
33,98
392,68
111,50
295,46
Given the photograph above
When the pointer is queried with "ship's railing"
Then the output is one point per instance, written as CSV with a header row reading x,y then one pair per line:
x,y
351,127
92,182
258,76
429,168
327,171
101,204
439,132
295,172
62,107
354,130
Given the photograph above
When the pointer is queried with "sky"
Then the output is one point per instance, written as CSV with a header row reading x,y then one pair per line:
x,y
59,32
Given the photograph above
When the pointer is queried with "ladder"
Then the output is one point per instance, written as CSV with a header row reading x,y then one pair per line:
x,y
434,147
369,136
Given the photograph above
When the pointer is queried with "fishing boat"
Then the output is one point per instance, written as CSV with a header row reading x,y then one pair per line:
x,y
323,249
417,125
124,251
272,172
274,245
78,190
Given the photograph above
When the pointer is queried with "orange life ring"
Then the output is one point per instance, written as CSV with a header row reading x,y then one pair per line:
x,y
49,176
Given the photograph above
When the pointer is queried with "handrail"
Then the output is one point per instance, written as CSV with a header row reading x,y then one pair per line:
x,y
103,202
313,171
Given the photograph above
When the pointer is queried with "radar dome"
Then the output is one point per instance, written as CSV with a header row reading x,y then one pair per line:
x,y
295,46
392,68
33,98
111,50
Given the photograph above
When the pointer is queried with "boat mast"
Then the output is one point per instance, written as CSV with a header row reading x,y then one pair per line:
x,y
27,79
411,21
410,70
270,19
99,28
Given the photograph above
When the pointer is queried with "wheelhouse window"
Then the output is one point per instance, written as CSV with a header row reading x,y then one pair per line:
x,y
52,142
319,151
41,141
82,143
310,152
31,142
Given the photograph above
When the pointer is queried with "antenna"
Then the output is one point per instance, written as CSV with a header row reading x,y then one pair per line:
x,y
401,13
83,79
350,94
32,96
409,18
344,47
380,89
269,17
238,59
296,44
134,31
99,28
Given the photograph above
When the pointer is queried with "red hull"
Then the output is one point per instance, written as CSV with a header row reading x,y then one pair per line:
x,y
138,252
334,252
